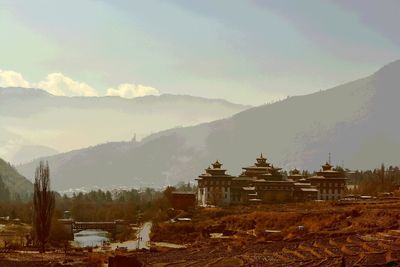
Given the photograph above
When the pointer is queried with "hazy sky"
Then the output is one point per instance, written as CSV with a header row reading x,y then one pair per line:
x,y
244,51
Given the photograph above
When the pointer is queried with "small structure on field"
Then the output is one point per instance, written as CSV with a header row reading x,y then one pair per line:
x,y
183,200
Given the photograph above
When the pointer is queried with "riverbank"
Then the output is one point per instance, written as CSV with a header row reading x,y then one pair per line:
x,y
97,239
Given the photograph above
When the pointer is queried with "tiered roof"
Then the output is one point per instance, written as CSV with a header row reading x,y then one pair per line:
x,y
260,168
216,171
295,171
261,162
328,172
295,175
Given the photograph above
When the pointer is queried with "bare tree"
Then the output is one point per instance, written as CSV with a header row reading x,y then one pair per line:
x,y
43,204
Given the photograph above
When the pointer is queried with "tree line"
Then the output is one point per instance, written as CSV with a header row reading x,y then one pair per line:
x,y
46,207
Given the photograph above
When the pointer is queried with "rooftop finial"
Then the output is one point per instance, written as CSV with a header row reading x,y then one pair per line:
x,y
217,165
329,158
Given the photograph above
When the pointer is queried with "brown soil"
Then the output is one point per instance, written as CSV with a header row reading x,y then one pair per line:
x,y
354,234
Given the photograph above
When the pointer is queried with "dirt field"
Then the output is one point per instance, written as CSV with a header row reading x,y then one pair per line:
x,y
365,233
16,259
310,234
352,250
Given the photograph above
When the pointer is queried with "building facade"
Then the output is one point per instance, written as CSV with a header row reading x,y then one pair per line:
x,y
331,184
264,183
214,186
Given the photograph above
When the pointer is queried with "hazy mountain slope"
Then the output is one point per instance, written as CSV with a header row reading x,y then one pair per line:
x,y
356,122
16,183
26,153
35,123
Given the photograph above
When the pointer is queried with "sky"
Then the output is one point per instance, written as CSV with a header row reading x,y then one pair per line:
x,y
249,52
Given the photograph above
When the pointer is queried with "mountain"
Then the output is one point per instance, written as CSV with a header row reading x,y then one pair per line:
x,y
355,122
36,124
26,153
15,182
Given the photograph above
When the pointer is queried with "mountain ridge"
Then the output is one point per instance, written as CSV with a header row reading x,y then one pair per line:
x,y
18,186
350,121
21,91
34,118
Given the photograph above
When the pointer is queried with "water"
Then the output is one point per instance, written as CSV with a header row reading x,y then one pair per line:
x,y
91,238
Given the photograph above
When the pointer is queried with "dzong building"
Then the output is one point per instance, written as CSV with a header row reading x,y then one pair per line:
x,y
264,183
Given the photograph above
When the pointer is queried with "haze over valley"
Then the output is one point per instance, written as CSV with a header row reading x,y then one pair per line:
x,y
35,123
349,121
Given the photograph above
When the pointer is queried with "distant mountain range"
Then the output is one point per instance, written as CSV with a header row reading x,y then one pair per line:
x,y
355,122
17,185
35,123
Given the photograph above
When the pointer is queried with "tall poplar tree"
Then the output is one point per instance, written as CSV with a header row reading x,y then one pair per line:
x,y
43,204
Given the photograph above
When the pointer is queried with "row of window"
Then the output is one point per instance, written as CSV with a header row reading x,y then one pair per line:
x,y
209,196
331,191
205,183
330,184
274,188
225,189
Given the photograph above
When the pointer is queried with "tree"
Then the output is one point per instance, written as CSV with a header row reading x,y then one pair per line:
x,y
43,205
168,194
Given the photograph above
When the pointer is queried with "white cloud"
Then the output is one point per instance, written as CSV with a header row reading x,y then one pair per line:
x,y
58,84
129,90
61,85
9,78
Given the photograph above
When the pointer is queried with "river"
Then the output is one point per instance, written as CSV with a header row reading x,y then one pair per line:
x,y
90,238
93,238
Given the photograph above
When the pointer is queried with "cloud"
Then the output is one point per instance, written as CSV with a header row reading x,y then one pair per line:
x,y
58,84
61,85
129,90
9,78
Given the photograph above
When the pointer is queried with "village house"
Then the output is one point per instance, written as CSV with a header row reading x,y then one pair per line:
x,y
264,183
